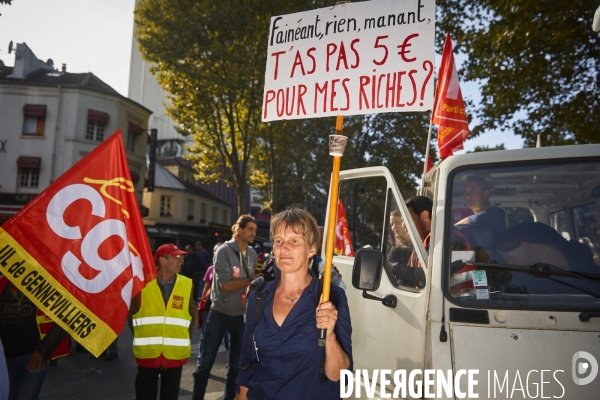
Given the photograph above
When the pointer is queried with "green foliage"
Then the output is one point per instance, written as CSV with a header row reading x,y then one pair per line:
x,y
479,149
537,62
299,166
210,57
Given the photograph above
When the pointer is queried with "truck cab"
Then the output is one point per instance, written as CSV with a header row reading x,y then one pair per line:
x,y
515,297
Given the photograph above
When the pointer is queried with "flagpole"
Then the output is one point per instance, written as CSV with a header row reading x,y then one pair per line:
x,y
427,154
333,206
435,99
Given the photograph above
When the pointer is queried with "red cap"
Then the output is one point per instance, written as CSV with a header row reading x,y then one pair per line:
x,y
169,249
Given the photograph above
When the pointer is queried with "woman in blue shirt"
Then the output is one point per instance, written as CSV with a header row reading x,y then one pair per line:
x,y
281,359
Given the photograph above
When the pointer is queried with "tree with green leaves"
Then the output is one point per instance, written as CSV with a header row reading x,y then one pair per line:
x,y
538,63
299,165
479,149
210,58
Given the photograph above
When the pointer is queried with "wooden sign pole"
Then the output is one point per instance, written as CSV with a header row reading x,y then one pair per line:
x,y
331,225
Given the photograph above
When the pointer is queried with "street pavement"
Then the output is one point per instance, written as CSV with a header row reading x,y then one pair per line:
x,y
81,376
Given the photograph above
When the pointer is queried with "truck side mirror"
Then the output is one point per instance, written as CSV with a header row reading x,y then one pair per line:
x,y
366,271
366,275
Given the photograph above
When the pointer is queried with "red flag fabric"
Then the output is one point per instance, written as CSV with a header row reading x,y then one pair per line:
x,y
449,108
429,164
343,244
79,250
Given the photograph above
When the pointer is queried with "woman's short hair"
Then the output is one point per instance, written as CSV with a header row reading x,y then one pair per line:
x,y
299,221
242,222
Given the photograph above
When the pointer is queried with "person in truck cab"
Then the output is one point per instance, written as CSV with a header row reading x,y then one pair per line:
x,y
477,197
404,261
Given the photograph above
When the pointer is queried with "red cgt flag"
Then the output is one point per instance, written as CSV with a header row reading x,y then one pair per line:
x,y
343,244
449,109
79,250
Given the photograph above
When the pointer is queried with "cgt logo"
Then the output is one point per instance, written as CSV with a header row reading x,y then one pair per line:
x,y
583,364
177,303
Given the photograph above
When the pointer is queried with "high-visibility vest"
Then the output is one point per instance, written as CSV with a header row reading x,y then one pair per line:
x,y
163,329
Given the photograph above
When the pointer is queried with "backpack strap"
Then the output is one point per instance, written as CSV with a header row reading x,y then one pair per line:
x,y
259,303
315,268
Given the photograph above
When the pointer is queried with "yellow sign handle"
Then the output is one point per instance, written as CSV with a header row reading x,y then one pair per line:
x,y
333,206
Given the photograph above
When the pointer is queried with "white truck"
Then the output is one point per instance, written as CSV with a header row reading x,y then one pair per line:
x,y
517,310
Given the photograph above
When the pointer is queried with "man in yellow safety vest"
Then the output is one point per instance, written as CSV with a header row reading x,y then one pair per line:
x,y
160,318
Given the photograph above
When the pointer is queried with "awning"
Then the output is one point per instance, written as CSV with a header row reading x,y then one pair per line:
x,y
29,162
133,128
35,109
97,116
172,231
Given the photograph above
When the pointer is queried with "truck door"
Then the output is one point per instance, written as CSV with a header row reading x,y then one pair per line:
x,y
377,217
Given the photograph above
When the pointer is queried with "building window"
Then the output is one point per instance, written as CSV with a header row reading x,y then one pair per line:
x,y
132,142
133,134
34,119
203,213
29,171
166,209
96,125
29,177
224,217
190,210
215,215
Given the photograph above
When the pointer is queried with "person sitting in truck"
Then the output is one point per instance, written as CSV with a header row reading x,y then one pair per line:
x,y
477,197
405,264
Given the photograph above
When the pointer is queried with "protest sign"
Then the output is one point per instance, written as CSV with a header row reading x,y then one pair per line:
x,y
353,58
79,250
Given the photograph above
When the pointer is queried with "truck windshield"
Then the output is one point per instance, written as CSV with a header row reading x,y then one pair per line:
x,y
525,236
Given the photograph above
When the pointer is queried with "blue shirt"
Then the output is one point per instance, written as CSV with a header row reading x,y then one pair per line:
x,y
494,217
289,356
168,286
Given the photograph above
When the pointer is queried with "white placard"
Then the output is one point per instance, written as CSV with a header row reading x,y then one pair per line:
x,y
355,58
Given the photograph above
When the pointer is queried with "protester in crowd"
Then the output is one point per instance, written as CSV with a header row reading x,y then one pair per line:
x,y
477,197
234,264
163,310
30,340
192,268
204,307
280,354
204,260
186,268
420,208
3,375
260,258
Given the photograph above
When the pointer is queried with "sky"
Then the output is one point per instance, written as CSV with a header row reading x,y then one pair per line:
x,y
96,35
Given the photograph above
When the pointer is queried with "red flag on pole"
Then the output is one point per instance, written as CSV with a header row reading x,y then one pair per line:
x,y
449,109
79,250
343,244
429,164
